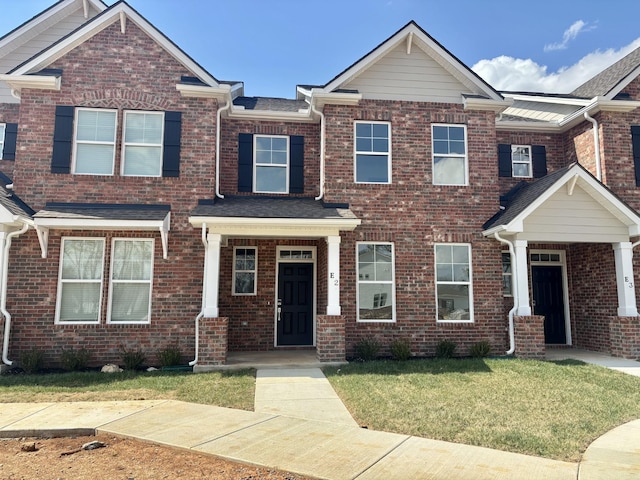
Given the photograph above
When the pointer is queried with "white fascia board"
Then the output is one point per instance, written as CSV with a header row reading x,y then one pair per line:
x,y
201,91
270,227
40,82
319,98
581,102
299,116
99,23
497,106
543,127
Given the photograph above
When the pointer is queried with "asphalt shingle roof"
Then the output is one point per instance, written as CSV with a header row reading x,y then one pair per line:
x,y
271,104
270,207
104,211
607,80
11,201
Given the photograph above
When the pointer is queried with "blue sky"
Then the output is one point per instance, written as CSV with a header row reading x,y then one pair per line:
x,y
272,45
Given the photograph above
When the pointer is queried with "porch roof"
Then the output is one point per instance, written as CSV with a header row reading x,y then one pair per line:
x,y
568,205
12,209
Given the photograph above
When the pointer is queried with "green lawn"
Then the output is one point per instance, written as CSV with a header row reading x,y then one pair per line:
x,y
226,389
548,409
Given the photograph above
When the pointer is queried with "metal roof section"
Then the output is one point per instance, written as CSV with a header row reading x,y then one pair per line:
x,y
89,216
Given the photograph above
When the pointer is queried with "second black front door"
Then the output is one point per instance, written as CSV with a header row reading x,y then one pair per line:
x,y
548,300
295,304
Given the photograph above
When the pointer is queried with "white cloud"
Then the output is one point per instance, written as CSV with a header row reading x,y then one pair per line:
x,y
569,34
517,74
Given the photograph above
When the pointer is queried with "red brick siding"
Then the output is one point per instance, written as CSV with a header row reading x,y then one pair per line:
x,y
529,336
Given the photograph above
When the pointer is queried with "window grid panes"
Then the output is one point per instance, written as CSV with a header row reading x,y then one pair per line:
x,y
245,268
131,278
507,275
95,137
376,282
521,161
449,155
142,144
80,284
2,130
372,152
271,164
453,282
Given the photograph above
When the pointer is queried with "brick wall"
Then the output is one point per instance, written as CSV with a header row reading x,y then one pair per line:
x,y
625,337
529,336
213,341
331,338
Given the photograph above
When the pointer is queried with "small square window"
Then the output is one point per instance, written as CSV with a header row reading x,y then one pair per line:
x,y
372,152
449,154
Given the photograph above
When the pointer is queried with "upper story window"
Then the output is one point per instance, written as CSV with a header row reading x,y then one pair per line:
x,y
271,174
270,163
521,161
95,141
142,144
372,152
449,154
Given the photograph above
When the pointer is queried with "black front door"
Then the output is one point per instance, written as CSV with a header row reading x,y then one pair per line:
x,y
295,304
548,300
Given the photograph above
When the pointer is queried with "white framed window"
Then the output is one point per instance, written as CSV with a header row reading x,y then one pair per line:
x,y
245,270
95,141
271,164
507,275
449,147
131,280
372,152
2,130
454,293
376,282
521,161
142,143
80,280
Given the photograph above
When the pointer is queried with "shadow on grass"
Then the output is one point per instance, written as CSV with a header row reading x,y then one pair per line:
x,y
92,379
433,366
568,362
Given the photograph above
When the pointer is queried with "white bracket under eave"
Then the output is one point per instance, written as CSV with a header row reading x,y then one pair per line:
x,y
571,184
123,23
409,42
164,235
43,239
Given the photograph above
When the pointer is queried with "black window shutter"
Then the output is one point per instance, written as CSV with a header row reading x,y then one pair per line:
x,y
10,137
635,144
171,144
296,164
539,160
504,160
62,140
245,162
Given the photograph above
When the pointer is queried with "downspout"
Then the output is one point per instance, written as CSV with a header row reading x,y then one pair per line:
x,y
218,127
596,142
322,134
204,287
514,287
3,294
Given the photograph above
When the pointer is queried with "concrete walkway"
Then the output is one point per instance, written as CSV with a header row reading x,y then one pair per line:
x,y
299,426
630,367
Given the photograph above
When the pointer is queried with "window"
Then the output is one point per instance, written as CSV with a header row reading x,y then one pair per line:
x,y
245,268
95,138
453,282
2,129
131,275
271,174
142,144
372,152
521,161
449,155
507,275
80,280
376,282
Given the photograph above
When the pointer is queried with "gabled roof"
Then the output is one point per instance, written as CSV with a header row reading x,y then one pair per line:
x,y
118,12
412,35
525,199
612,80
12,208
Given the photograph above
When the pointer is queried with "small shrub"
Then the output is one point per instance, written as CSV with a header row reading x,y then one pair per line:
x,y
400,349
75,360
368,348
169,356
132,359
31,361
480,349
445,349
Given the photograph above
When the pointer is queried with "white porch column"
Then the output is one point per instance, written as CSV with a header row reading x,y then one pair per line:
x,y
333,269
624,280
212,275
522,280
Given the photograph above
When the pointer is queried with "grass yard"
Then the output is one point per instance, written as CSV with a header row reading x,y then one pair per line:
x,y
548,409
225,389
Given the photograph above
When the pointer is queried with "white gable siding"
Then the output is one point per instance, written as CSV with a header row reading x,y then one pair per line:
x,y
413,77
36,40
575,218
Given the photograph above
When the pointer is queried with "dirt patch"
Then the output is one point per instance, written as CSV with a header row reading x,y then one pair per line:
x,y
61,459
